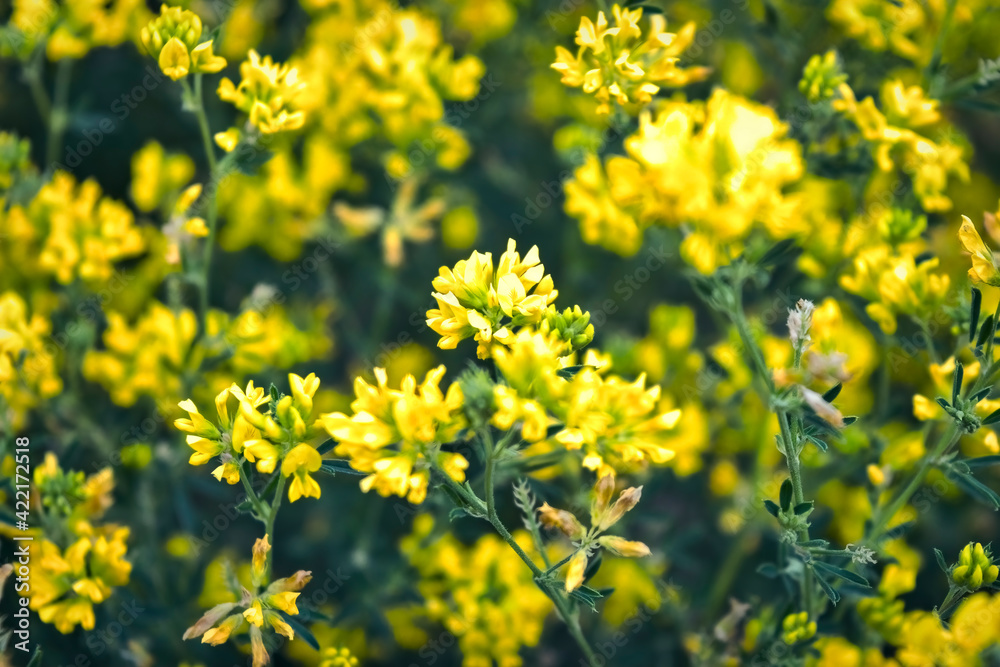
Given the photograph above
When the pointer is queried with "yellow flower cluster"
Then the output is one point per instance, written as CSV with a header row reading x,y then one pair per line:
x,y
923,640
157,175
474,299
617,424
718,167
254,608
72,230
154,356
71,28
906,28
891,131
482,594
895,284
376,74
268,93
174,39
395,435
67,582
621,64
257,437
28,372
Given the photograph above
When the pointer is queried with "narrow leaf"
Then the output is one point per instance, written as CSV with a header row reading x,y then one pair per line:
x,y
956,385
942,563
977,304
802,508
846,575
983,461
828,589
785,495
832,392
985,331
772,508
301,631
992,418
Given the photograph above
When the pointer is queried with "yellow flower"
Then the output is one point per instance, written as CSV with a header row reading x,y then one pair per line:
x,y
28,367
67,584
481,593
618,64
473,299
984,266
173,39
268,92
395,435
302,460
72,231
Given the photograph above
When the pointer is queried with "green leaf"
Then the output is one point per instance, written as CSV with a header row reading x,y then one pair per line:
x,y
943,403
976,489
458,513
592,567
956,385
335,466
828,589
301,631
250,161
802,508
983,461
326,446
785,496
772,508
832,392
587,596
850,420
814,544
840,572
942,563
36,658
977,304
985,331
776,252
992,418
818,442
980,395
568,372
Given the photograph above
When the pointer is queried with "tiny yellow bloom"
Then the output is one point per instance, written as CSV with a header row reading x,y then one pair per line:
x,y
174,59
984,265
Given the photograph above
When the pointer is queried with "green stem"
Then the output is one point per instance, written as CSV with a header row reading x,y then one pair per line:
x,y
59,116
954,596
558,599
558,565
33,75
885,514
252,495
197,102
269,524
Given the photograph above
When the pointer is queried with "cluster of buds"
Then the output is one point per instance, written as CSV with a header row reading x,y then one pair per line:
x,y
975,567
821,77
797,628
173,39
603,515
572,326
254,609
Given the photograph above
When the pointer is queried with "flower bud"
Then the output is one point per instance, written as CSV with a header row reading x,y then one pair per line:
x,y
562,521
619,546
